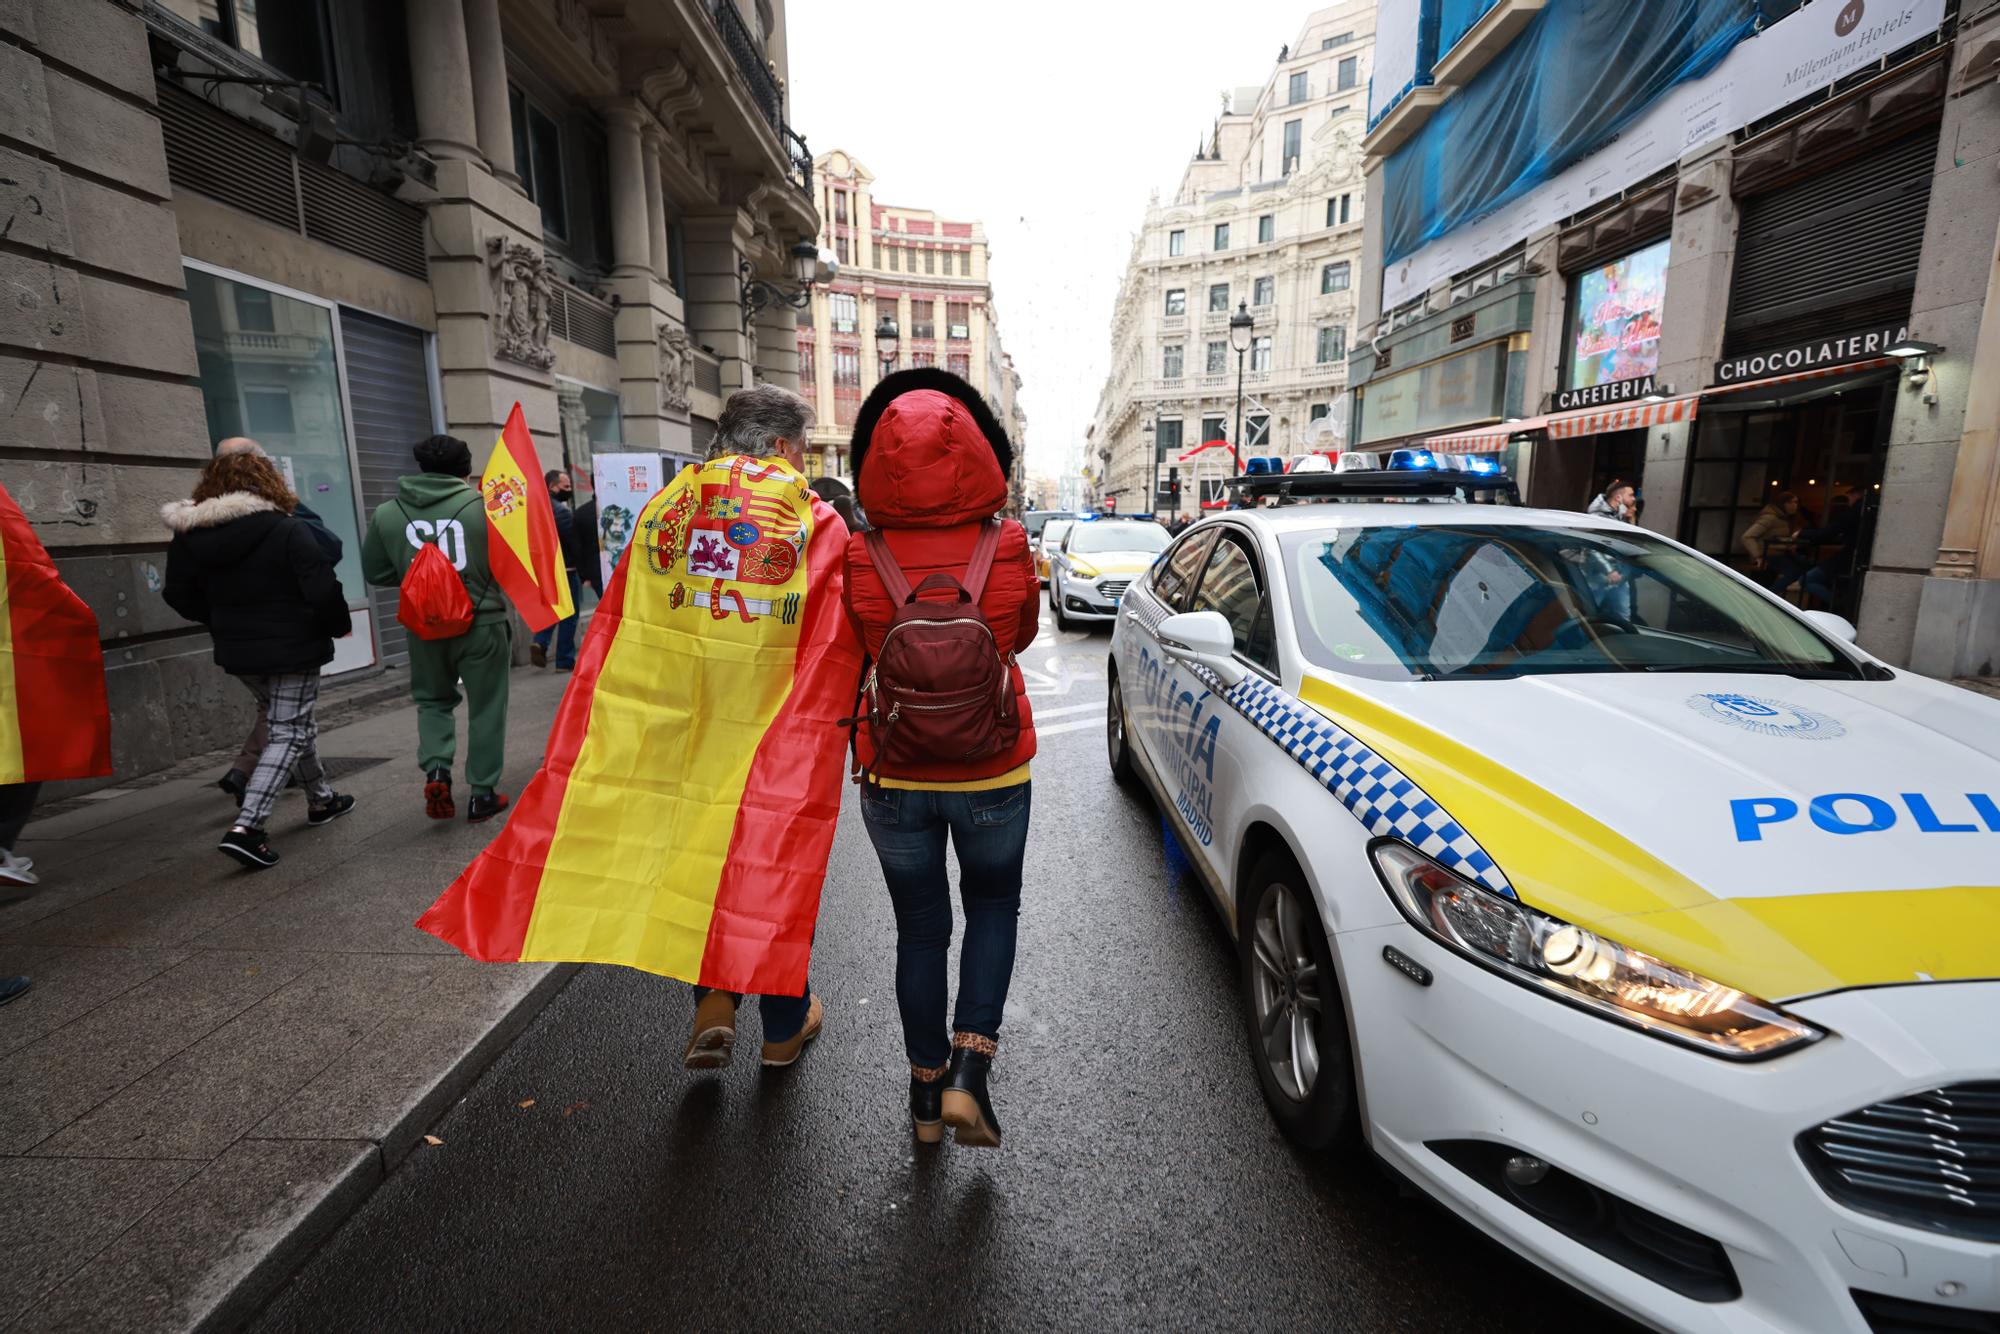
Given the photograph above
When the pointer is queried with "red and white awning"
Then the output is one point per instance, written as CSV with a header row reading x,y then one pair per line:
x,y
1823,373
1568,425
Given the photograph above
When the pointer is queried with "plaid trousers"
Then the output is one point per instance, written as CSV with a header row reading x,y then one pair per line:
x,y
292,745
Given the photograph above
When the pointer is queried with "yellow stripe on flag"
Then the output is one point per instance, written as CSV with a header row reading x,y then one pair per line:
x,y
12,769
632,811
509,522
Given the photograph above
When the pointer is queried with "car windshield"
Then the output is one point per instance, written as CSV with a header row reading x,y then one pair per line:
x,y
1054,531
1092,538
1478,601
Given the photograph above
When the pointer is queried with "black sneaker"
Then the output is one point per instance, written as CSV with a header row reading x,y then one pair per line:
x,y
437,795
339,805
484,806
250,847
235,783
10,987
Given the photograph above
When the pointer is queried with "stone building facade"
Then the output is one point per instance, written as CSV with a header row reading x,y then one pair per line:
x,y
1267,218
339,227
926,273
1783,256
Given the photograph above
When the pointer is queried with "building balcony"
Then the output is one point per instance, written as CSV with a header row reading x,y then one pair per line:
x,y
1213,382
1484,40
1324,371
1173,323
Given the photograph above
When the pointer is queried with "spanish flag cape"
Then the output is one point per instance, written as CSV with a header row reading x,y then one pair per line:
x,y
685,806
522,546
54,719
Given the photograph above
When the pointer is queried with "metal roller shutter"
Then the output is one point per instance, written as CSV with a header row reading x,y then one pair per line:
x,y
1835,251
389,386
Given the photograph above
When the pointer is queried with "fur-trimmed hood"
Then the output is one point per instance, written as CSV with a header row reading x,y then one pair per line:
x,y
185,516
928,454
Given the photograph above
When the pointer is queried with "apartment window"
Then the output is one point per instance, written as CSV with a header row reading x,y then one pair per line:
x,y
1339,211
895,258
1350,73
1218,296
253,310
1171,360
1218,359
1177,243
847,366
959,364
1264,291
1317,411
930,261
1177,301
840,206
1294,129
1221,236
1167,439
1214,428
1345,202
840,249
292,38
1296,92
1334,277
806,367
1267,229
923,360
958,319
845,310
1260,353
922,319
1332,344
965,263
268,412
538,158
1256,431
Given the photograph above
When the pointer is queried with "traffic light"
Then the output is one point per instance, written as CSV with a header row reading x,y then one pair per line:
x,y
1174,484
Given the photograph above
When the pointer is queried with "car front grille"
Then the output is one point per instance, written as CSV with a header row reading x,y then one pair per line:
x,y
1929,1159
1898,1315
1113,589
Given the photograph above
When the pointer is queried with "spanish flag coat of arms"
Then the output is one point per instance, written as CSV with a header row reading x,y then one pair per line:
x,y
685,807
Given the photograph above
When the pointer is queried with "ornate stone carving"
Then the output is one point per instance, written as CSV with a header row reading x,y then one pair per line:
x,y
676,368
523,292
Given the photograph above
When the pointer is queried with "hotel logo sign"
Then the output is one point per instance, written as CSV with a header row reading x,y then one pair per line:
x,y
1816,355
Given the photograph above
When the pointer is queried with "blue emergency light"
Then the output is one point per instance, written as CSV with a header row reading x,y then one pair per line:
x,y
1261,466
1413,460
1486,466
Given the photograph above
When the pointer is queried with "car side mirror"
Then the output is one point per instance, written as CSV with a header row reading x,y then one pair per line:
x,y
1838,626
1203,638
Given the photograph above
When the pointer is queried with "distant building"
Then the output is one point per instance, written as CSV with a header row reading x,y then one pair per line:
x,y
1267,218
926,274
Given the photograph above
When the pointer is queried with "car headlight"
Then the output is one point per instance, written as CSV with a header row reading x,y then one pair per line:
x,y
1082,569
1583,967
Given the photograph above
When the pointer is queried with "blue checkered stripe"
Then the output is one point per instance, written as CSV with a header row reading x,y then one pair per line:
x,y
1144,607
1387,804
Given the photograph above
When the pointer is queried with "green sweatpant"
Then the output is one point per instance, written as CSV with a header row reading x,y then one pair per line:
x,y
480,657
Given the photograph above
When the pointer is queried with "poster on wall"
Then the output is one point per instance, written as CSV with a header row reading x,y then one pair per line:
x,y
1616,330
625,482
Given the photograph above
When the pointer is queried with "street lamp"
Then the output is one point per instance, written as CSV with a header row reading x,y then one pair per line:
x,y
758,292
886,334
1240,325
1153,448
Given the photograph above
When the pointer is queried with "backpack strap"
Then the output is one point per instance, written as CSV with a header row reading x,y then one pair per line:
x,y
893,579
983,552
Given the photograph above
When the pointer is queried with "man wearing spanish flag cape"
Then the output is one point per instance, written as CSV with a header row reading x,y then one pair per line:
x,y
685,807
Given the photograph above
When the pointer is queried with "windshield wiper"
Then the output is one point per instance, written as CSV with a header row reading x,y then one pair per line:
x,y
1750,669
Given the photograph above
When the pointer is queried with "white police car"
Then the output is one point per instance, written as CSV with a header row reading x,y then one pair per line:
x,y
1644,921
1095,564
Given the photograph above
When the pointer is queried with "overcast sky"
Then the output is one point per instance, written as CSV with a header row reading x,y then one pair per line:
x,y
1049,122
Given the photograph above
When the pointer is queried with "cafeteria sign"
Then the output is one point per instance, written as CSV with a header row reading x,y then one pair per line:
x,y
1605,394
1820,353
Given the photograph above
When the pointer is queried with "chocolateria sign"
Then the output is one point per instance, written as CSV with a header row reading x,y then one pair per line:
x,y
1859,345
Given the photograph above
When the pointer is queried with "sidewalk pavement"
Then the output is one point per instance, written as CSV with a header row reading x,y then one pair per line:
x,y
214,1066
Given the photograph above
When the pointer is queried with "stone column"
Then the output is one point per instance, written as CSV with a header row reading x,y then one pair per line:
x,y
656,202
778,346
631,255
489,88
716,243
441,79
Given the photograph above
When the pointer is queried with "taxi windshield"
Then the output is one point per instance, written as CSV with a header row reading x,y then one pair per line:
x,y
1055,530
1091,538
1477,601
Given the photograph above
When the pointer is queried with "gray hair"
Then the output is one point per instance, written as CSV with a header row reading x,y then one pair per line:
x,y
754,419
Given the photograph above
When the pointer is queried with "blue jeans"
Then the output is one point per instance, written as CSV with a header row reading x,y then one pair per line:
x,y
564,631
783,1016
989,830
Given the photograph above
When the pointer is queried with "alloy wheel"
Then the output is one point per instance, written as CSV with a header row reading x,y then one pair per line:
x,y
1286,987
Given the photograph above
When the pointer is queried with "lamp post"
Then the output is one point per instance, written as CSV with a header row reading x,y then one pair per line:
x,y
885,340
1240,325
758,293
1153,448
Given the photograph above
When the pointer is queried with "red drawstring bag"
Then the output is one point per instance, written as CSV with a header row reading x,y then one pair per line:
x,y
431,601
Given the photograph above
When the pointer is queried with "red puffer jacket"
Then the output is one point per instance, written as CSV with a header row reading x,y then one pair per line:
x,y
928,477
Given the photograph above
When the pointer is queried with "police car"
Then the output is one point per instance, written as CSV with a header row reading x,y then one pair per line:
x,y
1640,918
1095,564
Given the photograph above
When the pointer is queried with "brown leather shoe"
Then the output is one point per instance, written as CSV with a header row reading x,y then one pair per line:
x,y
714,1038
784,1053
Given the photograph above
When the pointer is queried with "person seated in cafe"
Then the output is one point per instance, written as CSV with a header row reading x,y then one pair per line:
x,y
1770,535
1834,541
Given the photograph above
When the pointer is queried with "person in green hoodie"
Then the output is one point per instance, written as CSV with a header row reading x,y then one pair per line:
x,y
441,506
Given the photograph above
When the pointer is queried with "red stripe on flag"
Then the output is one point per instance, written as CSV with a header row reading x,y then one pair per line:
x,y
531,586
486,911
62,711
760,936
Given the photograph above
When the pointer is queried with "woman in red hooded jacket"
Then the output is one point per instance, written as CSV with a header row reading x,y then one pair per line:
x,y
930,466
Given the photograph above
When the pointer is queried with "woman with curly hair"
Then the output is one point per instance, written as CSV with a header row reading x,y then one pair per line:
x,y
243,566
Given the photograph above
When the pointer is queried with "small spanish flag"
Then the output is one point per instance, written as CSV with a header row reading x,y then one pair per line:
x,y
685,807
522,545
54,719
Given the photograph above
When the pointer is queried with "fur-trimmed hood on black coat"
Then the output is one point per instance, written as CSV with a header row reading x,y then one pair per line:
x,y
259,580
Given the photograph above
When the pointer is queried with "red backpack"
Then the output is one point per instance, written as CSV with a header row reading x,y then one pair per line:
x,y
431,601
940,688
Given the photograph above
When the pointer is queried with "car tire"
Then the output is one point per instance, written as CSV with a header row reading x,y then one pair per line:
x,y
1294,1016
1118,736
1055,605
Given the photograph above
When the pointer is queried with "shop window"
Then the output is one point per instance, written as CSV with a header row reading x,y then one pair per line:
x,y
281,387
538,159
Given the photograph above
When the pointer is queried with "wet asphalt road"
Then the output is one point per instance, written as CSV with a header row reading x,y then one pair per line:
x,y
1141,1185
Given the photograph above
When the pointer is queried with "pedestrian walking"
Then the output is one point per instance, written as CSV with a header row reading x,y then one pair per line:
x,y
563,633
685,808
440,507
243,566
237,778
1617,501
931,467
586,565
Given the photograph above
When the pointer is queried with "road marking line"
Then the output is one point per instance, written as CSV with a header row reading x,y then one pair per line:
x,y
1069,708
1060,728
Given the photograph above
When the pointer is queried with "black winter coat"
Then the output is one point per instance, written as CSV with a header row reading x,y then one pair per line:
x,y
260,581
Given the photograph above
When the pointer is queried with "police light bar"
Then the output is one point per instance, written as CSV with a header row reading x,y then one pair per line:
x,y
1358,460
1413,460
